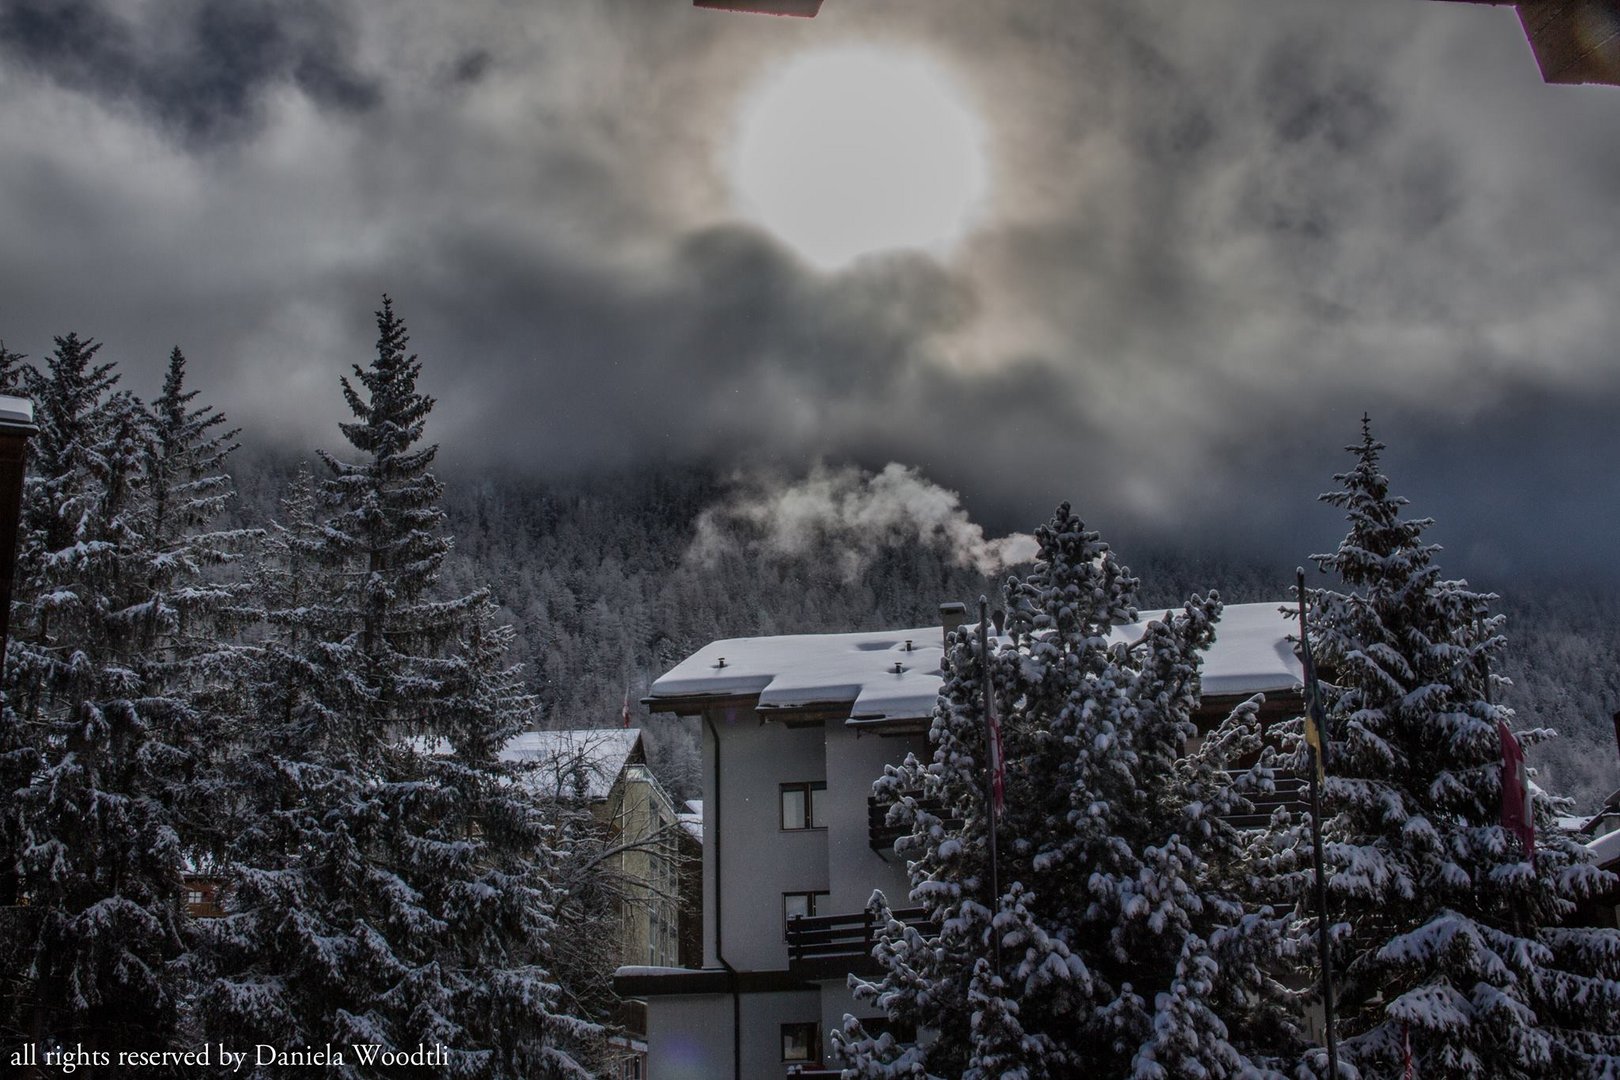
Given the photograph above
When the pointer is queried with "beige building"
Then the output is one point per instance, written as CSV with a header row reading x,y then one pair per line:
x,y
652,839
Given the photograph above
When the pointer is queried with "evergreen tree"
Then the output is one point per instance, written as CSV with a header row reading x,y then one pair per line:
x,y
10,370
389,889
1108,905
1447,938
97,860
184,598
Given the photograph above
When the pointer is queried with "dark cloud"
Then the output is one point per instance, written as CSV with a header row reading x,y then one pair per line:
x,y
1217,233
199,68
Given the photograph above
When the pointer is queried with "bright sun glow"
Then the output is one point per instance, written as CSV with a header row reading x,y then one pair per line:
x,y
857,150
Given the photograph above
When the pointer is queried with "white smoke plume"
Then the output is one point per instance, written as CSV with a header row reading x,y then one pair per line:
x,y
856,513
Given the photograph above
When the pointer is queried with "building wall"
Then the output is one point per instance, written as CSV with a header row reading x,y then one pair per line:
x,y
649,921
759,860
690,1037
854,761
837,1001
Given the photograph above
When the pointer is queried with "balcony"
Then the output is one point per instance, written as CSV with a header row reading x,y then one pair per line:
x,y
828,946
1293,793
881,835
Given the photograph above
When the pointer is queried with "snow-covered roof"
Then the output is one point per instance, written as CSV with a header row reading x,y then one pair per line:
x,y
880,678
1606,848
16,412
1251,654
874,673
595,755
690,817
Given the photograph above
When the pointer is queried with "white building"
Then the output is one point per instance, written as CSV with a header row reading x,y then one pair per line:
x,y
795,730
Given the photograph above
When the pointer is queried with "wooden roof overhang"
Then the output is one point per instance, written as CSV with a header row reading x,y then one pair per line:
x,y
1278,705
809,714
645,984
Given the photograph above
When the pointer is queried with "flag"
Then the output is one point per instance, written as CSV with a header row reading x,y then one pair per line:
x,y
1517,813
1409,1070
1313,730
998,764
625,712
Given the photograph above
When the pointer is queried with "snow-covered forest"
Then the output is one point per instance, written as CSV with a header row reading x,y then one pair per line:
x,y
296,671
609,580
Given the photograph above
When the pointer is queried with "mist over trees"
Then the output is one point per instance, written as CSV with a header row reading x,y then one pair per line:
x,y
599,577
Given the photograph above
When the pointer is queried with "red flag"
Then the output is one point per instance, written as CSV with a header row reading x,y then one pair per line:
x,y
1409,1072
625,713
998,759
1517,815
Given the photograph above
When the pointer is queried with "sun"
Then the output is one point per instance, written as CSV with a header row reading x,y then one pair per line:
x,y
857,150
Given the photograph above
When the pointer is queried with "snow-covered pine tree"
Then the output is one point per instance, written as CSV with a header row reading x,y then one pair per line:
x,y
19,760
385,890
1446,937
10,370
97,855
184,599
1106,904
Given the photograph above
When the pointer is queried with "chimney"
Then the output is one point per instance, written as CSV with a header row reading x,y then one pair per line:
x,y
951,616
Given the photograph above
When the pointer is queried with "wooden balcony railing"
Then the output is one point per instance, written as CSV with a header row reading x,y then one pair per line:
x,y
1292,792
881,835
838,944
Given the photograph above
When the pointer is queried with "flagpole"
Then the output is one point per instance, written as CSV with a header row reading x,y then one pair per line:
x,y
990,774
1318,753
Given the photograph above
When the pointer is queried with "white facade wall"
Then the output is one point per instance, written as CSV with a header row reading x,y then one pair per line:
x,y
758,861
854,760
689,1036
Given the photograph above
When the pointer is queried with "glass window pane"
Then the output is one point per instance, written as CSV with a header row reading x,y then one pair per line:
x,y
798,1042
797,904
812,817
795,812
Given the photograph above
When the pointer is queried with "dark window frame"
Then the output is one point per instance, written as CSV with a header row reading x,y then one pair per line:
x,y
812,1045
811,895
808,788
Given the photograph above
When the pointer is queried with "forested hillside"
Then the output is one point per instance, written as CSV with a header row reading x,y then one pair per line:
x,y
606,585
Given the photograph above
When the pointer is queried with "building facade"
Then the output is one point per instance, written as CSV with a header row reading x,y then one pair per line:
x,y
655,853
795,730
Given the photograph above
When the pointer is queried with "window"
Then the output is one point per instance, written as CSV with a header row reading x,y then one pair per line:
x,y
801,1042
800,905
799,806
195,896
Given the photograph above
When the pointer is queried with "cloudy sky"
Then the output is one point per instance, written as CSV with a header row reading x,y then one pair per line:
x,y
1188,244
